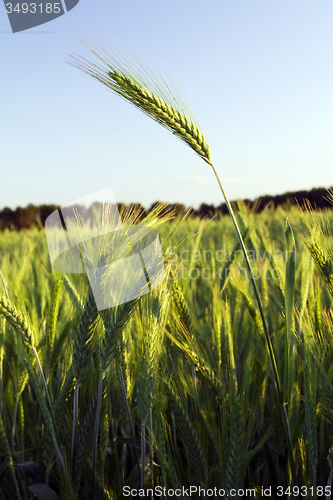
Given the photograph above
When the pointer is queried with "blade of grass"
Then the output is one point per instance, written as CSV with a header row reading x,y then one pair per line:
x,y
289,304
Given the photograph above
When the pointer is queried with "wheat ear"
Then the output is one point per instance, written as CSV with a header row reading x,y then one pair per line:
x,y
164,105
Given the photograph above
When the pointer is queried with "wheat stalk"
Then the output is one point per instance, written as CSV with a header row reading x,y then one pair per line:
x,y
168,107
234,458
76,299
190,435
54,315
85,332
19,322
5,451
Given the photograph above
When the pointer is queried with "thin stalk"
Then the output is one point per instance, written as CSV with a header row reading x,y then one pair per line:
x,y
17,489
151,451
277,384
14,422
55,438
98,415
123,389
174,431
5,288
330,478
143,453
314,484
123,463
194,378
75,416
48,401
289,306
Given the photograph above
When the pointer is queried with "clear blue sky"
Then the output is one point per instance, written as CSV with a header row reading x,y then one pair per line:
x,y
258,72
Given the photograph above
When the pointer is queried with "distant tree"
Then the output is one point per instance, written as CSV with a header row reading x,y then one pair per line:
x,y
26,217
44,211
23,218
206,210
222,209
317,198
7,218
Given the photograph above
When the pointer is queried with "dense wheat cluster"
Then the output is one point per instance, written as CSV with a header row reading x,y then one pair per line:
x,y
175,388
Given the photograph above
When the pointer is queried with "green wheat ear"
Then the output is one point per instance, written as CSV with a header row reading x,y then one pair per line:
x,y
164,104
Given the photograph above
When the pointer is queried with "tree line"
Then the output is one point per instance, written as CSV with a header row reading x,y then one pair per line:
x,y
33,215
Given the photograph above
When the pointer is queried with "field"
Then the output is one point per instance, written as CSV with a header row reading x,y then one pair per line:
x,y
217,383
176,388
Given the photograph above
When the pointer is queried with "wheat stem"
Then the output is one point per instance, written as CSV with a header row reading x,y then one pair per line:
x,y
97,419
173,114
151,450
276,378
123,390
74,429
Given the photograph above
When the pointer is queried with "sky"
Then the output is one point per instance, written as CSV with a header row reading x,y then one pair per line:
x,y
258,74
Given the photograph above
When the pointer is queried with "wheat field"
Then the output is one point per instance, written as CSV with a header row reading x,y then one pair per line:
x,y
174,389
218,383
